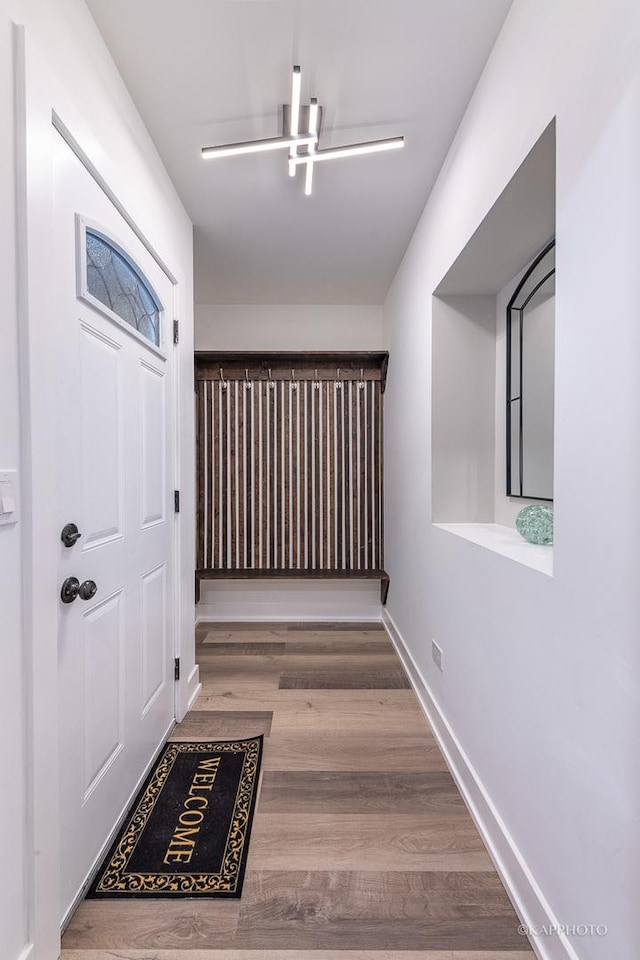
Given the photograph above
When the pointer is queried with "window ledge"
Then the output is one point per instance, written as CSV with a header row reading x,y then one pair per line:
x,y
505,541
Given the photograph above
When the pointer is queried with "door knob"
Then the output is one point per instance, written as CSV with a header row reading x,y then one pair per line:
x,y
87,590
72,588
70,534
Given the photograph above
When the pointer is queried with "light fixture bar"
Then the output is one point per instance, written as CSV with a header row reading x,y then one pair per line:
x,y
294,118
257,146
313,128
354,150
294,115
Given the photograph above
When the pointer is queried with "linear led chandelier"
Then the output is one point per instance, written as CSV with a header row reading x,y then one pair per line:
x,y
297,118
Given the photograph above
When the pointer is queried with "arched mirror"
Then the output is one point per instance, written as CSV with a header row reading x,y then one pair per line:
x,y
530,380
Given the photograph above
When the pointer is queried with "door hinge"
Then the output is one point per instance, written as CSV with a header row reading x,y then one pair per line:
x,y
176,501
176,668
176,332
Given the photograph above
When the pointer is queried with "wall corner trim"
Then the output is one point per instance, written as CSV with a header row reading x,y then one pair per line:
x,y
192,690
27,953
522,888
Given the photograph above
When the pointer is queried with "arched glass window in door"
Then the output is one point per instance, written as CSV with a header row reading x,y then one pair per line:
x,y
114,281
530,380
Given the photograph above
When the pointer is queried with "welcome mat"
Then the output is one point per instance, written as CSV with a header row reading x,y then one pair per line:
x,y
187,833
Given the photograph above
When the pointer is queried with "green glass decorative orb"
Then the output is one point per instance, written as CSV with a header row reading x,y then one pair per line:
x,y
535,523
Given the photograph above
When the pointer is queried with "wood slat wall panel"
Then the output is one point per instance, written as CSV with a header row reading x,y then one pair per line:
x,y
289,474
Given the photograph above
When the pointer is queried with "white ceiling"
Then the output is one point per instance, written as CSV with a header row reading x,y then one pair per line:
x,y
203,72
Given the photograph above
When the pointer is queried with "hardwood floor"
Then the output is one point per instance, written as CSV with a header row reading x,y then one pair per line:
x,y
362,848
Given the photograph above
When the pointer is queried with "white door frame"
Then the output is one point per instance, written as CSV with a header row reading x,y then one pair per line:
x,y
41,103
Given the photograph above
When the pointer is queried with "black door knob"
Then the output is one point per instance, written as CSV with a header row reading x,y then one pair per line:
x,y
70,534
72,588
87,590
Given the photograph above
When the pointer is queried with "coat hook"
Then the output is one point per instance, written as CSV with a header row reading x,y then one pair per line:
x,y
270,382
361,381
294,384
247,382
222,379
316,382
338,380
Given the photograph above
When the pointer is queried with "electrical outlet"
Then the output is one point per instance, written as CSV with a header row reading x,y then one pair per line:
x,y
436,653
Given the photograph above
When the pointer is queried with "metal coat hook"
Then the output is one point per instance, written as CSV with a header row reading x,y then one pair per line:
x,y
361,380
338,380
222,380
247,382
316,382
270,382
294,382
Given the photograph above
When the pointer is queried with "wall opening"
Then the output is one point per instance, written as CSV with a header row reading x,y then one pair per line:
x,y
469,493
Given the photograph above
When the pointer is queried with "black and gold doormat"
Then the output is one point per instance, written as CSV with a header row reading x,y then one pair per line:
x,y
187,833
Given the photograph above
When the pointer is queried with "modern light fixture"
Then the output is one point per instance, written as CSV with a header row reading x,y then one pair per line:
x,y
294,115
353,150
256,146
313,128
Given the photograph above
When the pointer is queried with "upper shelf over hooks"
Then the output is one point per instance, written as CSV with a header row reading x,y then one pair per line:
x,y
293,367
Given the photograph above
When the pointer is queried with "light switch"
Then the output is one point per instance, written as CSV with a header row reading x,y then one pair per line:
x,y
8,497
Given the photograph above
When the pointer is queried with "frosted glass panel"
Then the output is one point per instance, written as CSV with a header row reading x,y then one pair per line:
x,y
515,355
537,391
115,282
515,486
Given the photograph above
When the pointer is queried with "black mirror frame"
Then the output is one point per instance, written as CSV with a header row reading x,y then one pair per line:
x,y
510,307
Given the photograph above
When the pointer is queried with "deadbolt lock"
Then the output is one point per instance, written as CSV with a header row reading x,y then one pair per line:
x,y
70,534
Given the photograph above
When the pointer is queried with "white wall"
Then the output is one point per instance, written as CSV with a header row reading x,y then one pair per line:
x,y
282,600
93,99
13,906
541,674
288,327
463,374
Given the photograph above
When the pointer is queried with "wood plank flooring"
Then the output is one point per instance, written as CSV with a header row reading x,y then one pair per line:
x,y
362,848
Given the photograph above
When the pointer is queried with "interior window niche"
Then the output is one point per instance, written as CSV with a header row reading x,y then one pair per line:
x,y
501,266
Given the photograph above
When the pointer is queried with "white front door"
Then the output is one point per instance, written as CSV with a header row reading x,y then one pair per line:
x,y
115,483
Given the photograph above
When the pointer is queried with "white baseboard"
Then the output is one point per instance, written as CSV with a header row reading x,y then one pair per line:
x,y
193,688
524,892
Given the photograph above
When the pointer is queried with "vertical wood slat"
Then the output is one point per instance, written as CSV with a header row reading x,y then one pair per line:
x,y
316,511
239,474
289,476
380,484
307,477
225,440
249,483
348,477
340,558
362,485
330,473
263,475
202,466
212,440
275,474
284,468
